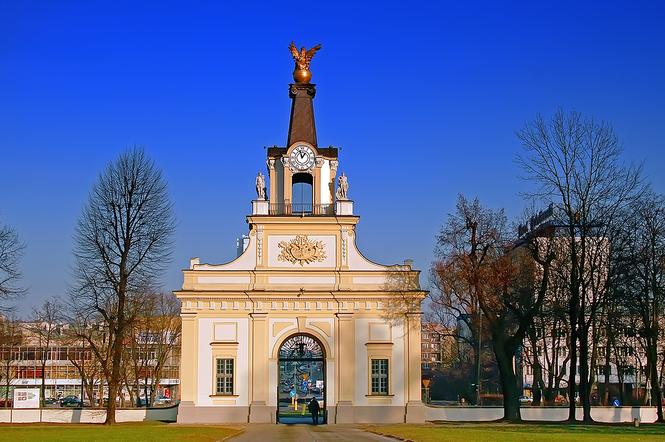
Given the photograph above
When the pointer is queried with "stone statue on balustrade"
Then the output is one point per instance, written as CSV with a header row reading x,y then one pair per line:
x,y
260,187
342,192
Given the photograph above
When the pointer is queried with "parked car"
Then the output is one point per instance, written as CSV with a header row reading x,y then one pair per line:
x,y
163,400
50,401
560,400
526,400
70,401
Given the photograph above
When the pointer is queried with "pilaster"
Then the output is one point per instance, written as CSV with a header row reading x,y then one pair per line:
x,y
346,360
415,410
259,411
189,358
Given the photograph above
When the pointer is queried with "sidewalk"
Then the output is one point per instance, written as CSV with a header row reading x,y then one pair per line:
x,y
306,433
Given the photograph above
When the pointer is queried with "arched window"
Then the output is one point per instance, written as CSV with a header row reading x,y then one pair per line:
x,y
300,347
302,193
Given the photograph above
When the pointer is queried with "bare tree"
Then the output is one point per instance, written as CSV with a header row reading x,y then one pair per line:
x,y
11,337
46,325
11,250
150,346
546,351
574,163
123,242
640,265
93,360
165,332
478,266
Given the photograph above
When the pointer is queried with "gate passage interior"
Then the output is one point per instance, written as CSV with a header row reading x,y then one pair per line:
x,y
302,376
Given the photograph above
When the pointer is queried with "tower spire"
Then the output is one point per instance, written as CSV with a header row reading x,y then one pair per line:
x,y
301,123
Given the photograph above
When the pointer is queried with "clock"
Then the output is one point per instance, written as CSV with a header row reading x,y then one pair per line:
x,y
302,157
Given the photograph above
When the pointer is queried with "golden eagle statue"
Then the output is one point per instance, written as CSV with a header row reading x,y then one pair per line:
x,y
302,58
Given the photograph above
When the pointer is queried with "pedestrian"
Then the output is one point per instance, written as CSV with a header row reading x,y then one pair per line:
x,y
314,408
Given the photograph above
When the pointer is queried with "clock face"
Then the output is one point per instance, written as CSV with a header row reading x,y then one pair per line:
x,y
302,157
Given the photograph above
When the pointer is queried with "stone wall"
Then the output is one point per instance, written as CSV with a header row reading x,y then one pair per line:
x,y
91,416
551,414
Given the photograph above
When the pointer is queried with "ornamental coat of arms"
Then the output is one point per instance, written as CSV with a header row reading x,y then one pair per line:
x,y
301,250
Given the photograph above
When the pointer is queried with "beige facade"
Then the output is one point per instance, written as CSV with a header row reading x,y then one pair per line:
x,y
300,274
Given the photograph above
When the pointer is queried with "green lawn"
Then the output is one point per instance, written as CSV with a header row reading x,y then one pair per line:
x,y
134,432
527,432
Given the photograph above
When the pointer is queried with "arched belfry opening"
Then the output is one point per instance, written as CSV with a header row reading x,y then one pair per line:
x,y
302,193
302,376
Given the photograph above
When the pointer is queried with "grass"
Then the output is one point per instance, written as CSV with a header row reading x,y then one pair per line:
x,y
526,432
135,431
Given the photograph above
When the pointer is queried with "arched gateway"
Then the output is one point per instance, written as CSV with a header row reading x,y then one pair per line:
x,y
302,376
300,311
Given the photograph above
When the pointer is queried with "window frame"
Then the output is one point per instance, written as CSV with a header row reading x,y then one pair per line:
x,y
216,385
373,376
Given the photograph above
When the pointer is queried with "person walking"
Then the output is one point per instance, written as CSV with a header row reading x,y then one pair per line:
x,y
314,408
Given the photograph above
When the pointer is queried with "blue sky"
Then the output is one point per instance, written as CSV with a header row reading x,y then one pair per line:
x,y
423,99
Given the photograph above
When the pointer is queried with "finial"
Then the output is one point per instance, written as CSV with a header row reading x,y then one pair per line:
x,y
302,58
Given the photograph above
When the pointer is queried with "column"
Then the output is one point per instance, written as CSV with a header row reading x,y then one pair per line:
x,y
346,367
259,411
272,176
288,187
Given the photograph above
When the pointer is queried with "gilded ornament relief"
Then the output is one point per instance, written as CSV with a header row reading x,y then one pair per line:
x,y
301,250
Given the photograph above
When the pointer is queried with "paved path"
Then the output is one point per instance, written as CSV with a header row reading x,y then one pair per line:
x,y
306,433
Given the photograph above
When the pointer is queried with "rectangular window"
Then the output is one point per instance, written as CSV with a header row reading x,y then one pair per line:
x,y
379,376
224,384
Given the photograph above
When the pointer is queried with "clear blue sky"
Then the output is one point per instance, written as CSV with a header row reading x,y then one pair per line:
x,y
423,99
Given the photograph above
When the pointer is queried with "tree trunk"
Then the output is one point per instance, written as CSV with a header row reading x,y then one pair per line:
x,y
585,387
573,363
7,373
511,394
652,358
114,381
43,387
537,385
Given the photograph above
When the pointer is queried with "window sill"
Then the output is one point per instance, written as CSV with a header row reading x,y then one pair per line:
x,y
224,395
379,395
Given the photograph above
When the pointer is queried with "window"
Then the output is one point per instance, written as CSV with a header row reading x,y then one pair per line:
x,y
224,384
147,355
379,376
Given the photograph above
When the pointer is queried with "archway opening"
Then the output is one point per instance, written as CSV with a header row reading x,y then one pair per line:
x,y
302,376
302,196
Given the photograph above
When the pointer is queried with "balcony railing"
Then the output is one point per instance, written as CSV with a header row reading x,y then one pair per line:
x,y
301,209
